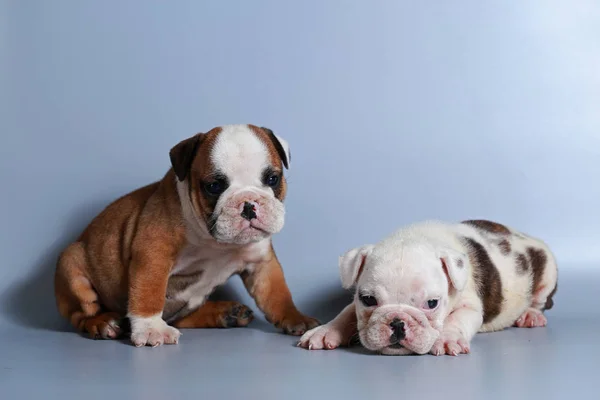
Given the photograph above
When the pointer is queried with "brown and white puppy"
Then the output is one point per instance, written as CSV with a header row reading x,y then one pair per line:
x,y
430,287
155,254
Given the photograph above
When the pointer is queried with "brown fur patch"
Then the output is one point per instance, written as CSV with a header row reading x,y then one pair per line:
x,y
487,278
489,226
202,172
538,261
505,247
522,263
460,263
122,260
217,314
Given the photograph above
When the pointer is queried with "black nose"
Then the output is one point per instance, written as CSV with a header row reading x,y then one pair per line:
x,y
248,211
398,331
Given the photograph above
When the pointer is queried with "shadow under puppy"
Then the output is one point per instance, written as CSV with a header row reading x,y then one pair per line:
x,y
155,254
431,286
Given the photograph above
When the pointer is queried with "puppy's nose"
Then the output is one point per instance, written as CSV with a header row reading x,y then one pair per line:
x,y
398,331
249,211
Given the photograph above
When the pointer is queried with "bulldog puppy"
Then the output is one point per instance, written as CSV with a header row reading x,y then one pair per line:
x,y
155,254
429,287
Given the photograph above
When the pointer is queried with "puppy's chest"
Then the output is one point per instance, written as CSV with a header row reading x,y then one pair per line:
x,y
197,271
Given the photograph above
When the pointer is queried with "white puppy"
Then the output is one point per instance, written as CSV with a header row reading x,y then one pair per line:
x,y
430,287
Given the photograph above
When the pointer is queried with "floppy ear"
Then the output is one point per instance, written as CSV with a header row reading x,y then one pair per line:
x,y
456,266
351,264
283,148
183,153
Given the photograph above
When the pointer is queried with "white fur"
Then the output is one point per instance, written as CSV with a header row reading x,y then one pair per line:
x,y
240,154
404,270
152,331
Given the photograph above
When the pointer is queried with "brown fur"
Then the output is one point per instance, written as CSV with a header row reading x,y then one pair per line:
x,y
122,258
487,278
505,247
489,226
121,262
538,260
522,263
217,314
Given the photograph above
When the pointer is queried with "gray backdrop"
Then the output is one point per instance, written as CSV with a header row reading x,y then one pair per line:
x,y
395,111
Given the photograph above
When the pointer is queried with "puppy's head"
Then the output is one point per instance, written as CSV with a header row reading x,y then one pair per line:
x,y
402,292
232,179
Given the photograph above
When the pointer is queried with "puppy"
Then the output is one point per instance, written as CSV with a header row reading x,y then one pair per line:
x,y
429,287
155,254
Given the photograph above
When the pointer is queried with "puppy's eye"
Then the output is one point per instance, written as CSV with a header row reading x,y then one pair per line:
x,y
272,180
368,301
215,187
433,303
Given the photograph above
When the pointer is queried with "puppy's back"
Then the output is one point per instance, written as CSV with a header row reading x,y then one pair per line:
x,y
512,271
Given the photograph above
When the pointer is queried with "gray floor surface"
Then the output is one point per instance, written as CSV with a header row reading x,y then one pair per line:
x,y
557,362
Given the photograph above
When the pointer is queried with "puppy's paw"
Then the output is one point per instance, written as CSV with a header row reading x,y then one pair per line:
x,y
235,314
296,323
532,318
152,331
326,337
104,326
450,343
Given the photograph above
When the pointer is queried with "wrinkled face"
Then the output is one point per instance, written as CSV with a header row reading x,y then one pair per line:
x,y
402,300
236,183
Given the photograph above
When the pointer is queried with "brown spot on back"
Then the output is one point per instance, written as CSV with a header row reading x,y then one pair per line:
x,y
538,260
521,263
489,226
504,247
459,263
487,278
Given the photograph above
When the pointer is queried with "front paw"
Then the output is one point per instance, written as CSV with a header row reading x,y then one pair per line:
x,y
450,343
296,323
322,337
152,331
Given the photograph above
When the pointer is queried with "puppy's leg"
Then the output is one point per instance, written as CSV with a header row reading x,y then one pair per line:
x,y
78,301
544,284
217,314
337,332
459,328
266,284
149,270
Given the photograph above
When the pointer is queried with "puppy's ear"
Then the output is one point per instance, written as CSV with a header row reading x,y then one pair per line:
x,y
351,264
183,153
456,266
283,148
